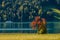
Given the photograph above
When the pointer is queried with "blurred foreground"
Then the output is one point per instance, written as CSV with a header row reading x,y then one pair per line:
x,y
17,36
